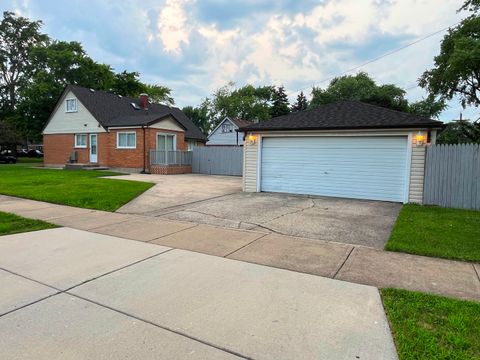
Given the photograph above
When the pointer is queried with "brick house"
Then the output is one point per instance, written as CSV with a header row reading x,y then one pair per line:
x,y
102,129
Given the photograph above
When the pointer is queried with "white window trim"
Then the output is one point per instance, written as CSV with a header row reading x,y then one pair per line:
x,y
164,133
76,105
126,132
77,146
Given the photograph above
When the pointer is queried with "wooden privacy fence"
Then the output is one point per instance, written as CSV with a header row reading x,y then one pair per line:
x,y
218,160
452,176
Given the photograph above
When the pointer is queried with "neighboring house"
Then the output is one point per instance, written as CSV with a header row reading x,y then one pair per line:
x,y
99,128
226,132
345,149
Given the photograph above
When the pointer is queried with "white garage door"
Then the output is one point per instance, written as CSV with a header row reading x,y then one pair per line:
x,y
353,167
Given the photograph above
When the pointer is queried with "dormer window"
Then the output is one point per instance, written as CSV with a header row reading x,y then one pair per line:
x,y
71,105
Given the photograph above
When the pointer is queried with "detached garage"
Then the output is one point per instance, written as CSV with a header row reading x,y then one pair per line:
x,y
345,149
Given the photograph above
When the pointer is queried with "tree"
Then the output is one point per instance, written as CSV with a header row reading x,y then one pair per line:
x,y
8,136
456,70
199,116
127,84
247,102
18,36
360,87
460,132
429,107
57,64
280,105
301,103
159,94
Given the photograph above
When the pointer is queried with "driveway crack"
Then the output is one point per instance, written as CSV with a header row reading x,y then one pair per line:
x,y
313,204
343,263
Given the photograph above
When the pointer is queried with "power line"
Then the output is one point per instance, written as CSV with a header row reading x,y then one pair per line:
x,y
378,58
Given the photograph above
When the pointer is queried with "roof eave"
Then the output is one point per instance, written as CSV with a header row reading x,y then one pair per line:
x,y
433,126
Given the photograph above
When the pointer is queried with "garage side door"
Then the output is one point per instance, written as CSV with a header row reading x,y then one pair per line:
x,y
353,167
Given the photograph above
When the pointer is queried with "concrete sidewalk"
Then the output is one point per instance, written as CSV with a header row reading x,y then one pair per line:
x,y
73,294
351,263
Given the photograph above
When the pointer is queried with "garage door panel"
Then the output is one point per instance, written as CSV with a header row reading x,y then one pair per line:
x,y
356,167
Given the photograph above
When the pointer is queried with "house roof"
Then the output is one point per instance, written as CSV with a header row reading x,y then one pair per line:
x,y
111,110
241,122
236,122
343,115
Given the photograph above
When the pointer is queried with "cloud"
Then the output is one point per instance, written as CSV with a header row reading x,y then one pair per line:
x,y
196,46
172,25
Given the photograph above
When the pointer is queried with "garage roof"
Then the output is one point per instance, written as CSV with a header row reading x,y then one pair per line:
x,y
343,115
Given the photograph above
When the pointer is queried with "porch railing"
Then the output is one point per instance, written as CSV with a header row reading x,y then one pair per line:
x,y
170,157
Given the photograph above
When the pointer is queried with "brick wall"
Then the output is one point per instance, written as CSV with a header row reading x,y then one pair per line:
x,y
170,170
58,147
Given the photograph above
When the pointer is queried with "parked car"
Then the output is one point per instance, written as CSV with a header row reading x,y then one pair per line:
x,y
35,154
8,157
22,153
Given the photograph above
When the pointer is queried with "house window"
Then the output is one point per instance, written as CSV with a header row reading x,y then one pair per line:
x,y
127,140
71,105
191,144
80,140
165,142
226,127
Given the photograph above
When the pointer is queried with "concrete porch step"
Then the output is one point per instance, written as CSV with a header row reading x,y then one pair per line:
x,y
77,166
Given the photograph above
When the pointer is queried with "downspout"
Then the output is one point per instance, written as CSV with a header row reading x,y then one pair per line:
x,y
144,150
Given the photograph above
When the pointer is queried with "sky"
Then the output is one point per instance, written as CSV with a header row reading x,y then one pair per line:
x,y
197,46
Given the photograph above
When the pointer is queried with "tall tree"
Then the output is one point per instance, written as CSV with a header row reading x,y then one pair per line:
x,y
159,94
127,84
18,36
199,116
247,102
460,132
429,107
360,87
301,103
57,64
456,70
280,105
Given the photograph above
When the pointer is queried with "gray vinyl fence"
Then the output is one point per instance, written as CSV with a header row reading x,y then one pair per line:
x,y
452,176
218,160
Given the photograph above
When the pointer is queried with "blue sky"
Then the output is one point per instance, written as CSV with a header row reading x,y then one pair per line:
x,y
195,47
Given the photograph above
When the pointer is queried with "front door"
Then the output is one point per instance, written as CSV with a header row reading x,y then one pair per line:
x,y
93,148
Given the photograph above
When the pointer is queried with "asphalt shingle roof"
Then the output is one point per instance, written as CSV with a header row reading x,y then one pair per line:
x,y
241,122
112,110
343,115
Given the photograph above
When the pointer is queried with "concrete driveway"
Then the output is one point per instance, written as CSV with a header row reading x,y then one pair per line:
x,y
218,200
65,296
176,190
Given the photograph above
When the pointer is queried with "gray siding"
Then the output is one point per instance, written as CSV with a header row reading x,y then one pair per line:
x,y
452,176
221,160
229,138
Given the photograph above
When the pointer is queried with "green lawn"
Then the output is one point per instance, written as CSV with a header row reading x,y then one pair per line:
x,y
79,188
435,231
12,224
433,327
